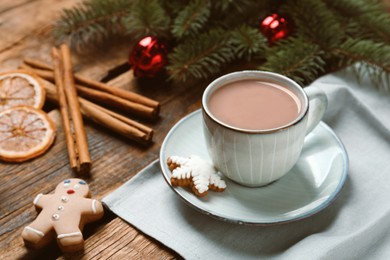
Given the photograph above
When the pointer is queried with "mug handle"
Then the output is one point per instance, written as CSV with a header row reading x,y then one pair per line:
x,y
318,103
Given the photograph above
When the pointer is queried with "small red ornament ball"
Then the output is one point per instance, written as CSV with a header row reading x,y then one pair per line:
x,y
275,27
148,57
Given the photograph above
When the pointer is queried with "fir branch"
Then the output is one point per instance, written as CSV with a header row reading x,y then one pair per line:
x,y
227,6
248,43
374,58
325,31
191,19
315,22
297,59
222,6
201,56
147,17
366,19
175,6
91,22
231,13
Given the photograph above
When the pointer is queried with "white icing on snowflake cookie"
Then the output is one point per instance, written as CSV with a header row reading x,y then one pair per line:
x,y
196,173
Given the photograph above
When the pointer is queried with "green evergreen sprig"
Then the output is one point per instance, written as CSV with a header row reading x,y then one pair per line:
x,y
146,17
248,44
208,35
200,56
191,19
315,23
364,19
91,22
374,59
297,59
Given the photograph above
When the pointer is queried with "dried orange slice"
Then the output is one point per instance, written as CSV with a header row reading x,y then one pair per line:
x,y
20,88
25,133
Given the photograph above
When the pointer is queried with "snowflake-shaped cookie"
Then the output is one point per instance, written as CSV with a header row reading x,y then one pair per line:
x,y
196,173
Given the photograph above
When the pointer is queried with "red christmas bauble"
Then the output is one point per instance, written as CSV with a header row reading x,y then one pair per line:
x,y
275,27
148,57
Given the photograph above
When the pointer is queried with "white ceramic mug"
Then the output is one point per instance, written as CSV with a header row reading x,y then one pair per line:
x,y
259,157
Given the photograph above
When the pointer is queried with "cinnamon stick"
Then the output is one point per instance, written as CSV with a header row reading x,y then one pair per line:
x,y
114,97
37,64
74,107
45,74
147,130
70,142
99,85
117,102
111,120
118,92
99,115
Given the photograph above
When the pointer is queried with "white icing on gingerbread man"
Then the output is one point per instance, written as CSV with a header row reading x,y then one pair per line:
x,y
195,172
63,213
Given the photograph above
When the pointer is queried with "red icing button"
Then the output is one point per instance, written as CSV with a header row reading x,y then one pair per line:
x,y
70,191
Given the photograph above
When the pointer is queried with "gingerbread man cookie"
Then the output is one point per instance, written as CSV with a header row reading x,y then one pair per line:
x,y
196,173
64,214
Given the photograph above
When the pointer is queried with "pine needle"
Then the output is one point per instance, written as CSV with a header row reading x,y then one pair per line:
x,y
201,56
297,59
91,22
374,59
364,18
233,13
175,6
191,19
208,35
248,43
147,17
314,22
228,6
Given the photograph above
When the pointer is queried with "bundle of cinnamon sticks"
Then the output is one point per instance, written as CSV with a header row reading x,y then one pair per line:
x,y
101,93
76,140
78,95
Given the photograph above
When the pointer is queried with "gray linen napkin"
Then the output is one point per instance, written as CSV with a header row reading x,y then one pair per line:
x,y
355,226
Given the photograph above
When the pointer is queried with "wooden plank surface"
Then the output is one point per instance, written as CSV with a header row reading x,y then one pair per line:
x,y
25,32
25,27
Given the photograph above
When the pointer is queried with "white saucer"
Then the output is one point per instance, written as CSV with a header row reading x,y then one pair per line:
x,y
309,187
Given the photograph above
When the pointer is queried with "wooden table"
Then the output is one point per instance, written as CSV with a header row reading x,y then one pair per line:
x,y
25,32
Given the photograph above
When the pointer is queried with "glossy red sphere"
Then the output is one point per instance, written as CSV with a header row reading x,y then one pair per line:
x,y
148,57
275,27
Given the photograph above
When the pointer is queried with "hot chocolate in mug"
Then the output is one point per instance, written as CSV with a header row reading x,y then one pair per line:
x,y
255,123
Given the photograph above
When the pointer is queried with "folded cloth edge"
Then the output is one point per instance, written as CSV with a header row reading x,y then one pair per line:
x,y
111,202
108,200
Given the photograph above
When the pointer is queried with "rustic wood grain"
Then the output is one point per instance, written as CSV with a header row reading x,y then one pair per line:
x,y
111,169
25,26
25,32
